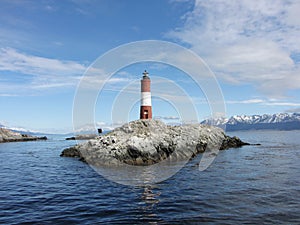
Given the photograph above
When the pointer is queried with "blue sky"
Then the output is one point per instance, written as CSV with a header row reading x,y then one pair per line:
x,y
252,47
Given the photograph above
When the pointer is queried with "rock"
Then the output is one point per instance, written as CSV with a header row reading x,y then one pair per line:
x,y
145,142
70,138
232,142
82,137
71,152
11,136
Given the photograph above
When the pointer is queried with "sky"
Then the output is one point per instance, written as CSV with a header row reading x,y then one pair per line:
x,y
252,48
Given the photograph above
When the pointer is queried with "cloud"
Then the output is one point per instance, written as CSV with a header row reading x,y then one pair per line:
x,y
282,103
92,128
268,102
167,117
12,60
246,41
97,78
248,101
39,72
293,110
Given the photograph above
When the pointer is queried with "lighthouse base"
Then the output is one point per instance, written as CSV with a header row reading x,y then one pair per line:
x,y
146,112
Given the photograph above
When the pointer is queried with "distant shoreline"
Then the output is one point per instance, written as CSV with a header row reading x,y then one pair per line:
x,y
11,136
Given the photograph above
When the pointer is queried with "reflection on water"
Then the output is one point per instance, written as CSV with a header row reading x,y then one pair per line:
x,y
150,198
140,175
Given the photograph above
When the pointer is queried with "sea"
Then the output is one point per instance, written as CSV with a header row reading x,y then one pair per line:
x,y
248,185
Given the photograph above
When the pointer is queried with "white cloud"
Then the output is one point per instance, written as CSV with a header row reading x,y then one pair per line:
x,y
248,101
293,110
167,117
98,78
40,72
92,128
282,103
267,102
247,41
12,60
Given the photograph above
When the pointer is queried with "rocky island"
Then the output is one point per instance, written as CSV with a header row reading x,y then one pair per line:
x,y
82,137
146,142
7,135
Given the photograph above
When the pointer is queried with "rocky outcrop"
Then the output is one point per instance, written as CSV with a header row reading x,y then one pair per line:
x,y
11,136
82,137
232,142
146,142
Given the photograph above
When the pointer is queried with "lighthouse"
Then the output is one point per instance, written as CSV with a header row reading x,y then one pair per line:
x,y
146,108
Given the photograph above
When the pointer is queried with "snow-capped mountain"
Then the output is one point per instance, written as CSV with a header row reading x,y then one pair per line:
x,y
20,130
282,121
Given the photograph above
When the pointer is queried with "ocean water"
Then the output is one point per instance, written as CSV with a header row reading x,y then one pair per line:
x,y
249,185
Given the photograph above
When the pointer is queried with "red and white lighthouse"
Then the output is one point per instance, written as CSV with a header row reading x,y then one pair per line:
x,y
146,107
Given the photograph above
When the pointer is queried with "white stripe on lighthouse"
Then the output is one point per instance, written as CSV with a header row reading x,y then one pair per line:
x,y
146,99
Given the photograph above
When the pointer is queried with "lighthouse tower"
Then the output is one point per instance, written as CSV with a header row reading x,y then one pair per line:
x,y
146,108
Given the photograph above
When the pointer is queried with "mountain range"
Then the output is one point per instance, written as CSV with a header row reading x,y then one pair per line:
x,y
21,130
279,121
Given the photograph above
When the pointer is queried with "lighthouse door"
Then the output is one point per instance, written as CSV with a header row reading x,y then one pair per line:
x,y
146,114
